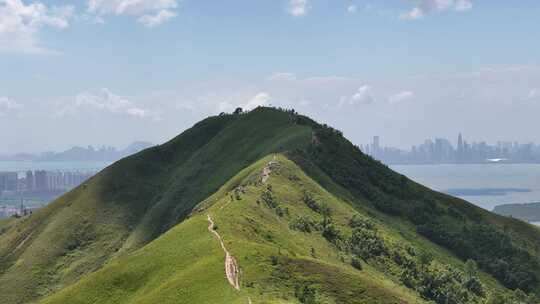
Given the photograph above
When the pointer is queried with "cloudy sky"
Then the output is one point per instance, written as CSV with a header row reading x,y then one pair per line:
x,y
114,71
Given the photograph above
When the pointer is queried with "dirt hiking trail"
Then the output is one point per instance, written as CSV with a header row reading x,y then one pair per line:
x,y
267,170
231,268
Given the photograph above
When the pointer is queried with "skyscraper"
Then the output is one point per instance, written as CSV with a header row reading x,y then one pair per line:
x,y
460,149
376,146
41,180
8,181
30,182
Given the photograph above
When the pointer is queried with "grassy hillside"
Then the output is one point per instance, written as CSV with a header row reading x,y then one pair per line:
x,y
294,242
133,201
126,232
506,248
274,257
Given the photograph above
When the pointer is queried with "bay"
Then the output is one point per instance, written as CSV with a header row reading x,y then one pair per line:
x,y
485,185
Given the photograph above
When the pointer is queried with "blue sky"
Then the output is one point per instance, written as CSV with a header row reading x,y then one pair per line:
x,y
114,71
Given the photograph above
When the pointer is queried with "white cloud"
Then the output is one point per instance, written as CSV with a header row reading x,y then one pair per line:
x,y
298,8
258,100
401,96
230,102
8,106
157,19
364,95
533,94
424,7
103,101
20,25
352,9
148,12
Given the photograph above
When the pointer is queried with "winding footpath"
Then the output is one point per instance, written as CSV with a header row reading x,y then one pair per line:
x,y
231,267
266,174
268,169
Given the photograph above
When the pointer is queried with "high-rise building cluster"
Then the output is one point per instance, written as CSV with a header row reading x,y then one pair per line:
x,y
40,181
441,150
9,181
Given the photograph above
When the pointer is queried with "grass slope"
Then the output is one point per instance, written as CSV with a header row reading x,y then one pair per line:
x,y
508,249
278,261
185,265
134,201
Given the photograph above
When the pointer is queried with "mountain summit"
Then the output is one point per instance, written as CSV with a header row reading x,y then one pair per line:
x,y
263,207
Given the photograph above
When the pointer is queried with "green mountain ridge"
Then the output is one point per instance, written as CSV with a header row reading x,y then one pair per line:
x,y
306,215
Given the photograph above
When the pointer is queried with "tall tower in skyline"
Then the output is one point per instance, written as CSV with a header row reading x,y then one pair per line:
x,y
460,151
376,145
30,182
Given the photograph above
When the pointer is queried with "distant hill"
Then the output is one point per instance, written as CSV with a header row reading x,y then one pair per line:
x,y
528,212
267,206
18,157
81,153
92,154
136,147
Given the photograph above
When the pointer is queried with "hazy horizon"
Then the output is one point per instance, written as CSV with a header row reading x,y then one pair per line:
x,y
369,141
110,73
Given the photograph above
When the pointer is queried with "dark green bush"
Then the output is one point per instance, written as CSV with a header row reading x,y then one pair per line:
x,y
358,222
304,224
269,199
356,263
332,234
306,294
475,286
366,244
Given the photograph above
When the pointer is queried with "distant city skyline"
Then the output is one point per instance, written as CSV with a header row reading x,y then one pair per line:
x,y
38,186
443,150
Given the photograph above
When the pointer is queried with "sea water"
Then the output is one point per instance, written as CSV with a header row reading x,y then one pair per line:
x,y
485,185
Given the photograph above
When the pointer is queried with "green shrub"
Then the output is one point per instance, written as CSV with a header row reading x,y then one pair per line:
x,y
475,286
306,294
425,258
366,244
269,199
280,211
304,224
356,263
321,208
358,222
332,234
